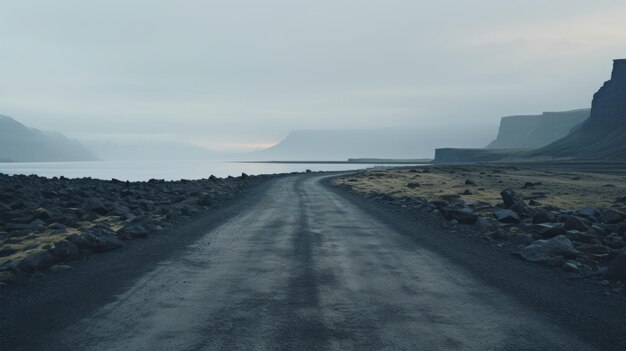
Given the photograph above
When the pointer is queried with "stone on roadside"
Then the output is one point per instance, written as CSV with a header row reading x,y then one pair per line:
x,y
571,266
65,250
506,216
132,231
543,216
513,201
36,262
463,215
97,239
549,230
575,223
548,250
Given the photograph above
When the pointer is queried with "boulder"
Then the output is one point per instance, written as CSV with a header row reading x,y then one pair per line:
x,y
612,216
575,223
514,202
549,230
507,216
596,249
36,262
41,213
205,200
617,268
132,231
614,241
65,250
571,266
589,212
575,235
438,203
463,215
450,198
547,250
543,216
96,206
97,239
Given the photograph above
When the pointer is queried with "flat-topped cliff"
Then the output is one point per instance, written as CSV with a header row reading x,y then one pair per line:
x,y
534,131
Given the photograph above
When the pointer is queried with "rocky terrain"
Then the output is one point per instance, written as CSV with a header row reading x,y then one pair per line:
x,y
575,221
19,143
524,132
602,135
46,223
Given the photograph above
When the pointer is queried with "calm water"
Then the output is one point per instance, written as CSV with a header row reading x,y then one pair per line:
x,y
169,170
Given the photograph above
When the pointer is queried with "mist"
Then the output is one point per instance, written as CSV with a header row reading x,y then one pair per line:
x,y
239,76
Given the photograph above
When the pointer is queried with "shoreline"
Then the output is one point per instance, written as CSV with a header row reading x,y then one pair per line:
x,y
48,223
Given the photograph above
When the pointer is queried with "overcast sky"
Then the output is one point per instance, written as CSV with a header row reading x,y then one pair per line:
x,y
239,74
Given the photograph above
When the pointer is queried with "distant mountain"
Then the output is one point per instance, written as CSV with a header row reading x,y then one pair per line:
x,y
534,131
147,150
19,143
338,145
603,135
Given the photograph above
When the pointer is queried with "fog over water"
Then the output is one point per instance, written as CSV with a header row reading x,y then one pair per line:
x,y
238,76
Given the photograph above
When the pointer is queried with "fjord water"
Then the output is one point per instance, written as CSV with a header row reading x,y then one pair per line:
x,y
168,170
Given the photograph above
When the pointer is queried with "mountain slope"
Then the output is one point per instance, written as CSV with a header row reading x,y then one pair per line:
x,y
19,143
603,135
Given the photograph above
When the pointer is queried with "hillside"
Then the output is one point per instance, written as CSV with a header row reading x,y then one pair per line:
x,y
534,131
19,143
603,135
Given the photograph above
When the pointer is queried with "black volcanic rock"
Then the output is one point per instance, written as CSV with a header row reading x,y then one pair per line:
x,y
603,135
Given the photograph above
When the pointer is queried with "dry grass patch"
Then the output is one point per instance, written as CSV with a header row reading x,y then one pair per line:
x,y
569,190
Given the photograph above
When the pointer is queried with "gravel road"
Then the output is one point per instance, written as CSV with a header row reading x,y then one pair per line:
x,y
299,266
